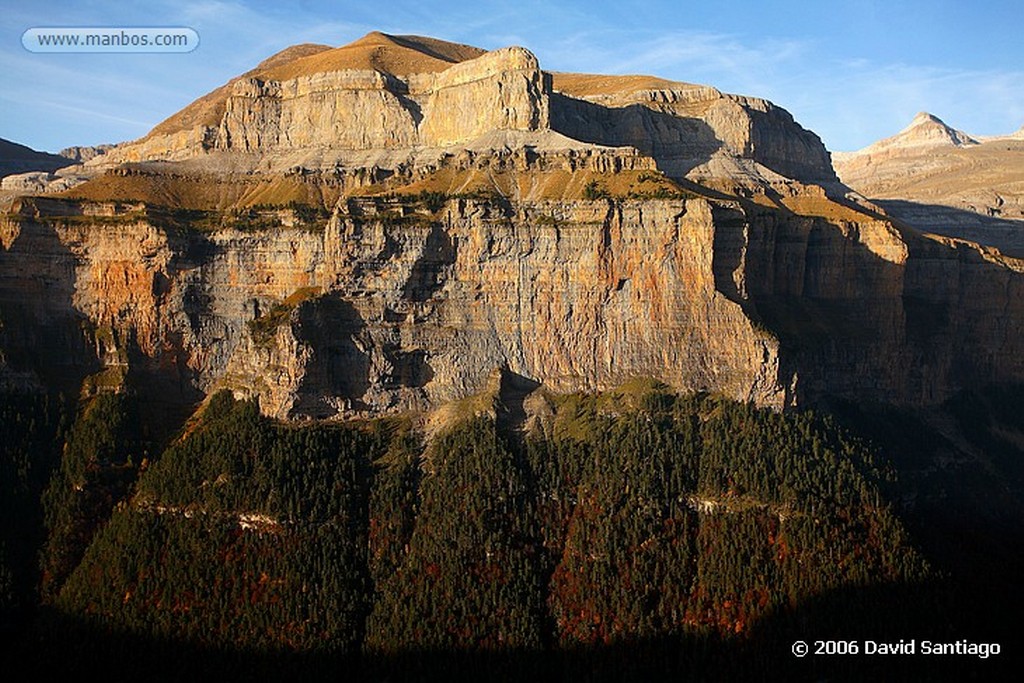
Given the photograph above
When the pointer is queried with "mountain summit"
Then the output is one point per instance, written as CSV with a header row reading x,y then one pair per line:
x,y
407,101
924,130
393,55
402,222
930,129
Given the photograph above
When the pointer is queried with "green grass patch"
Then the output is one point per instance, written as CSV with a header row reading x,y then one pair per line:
x,y
263,328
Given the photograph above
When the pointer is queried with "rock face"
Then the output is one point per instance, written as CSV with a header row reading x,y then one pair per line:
x,y
40,182
369,108
389,308
80,154
382,227
377,314
402,93
360,110
684,127
945,181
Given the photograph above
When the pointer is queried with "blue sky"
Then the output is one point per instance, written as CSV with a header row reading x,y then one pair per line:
x,y
853,71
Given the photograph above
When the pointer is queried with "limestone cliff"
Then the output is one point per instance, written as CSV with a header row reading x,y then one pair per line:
x,y
314,107
389,306
361,105
381,227
360,110
686,127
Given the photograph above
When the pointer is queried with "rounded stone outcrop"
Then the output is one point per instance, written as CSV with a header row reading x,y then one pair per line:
x,y
386,94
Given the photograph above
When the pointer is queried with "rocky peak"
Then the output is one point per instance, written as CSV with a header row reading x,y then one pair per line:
x,y
395,55
381,99
943,181
924,130
927,129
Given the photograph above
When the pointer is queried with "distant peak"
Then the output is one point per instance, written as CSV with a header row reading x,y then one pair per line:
x,y
929,129
925,130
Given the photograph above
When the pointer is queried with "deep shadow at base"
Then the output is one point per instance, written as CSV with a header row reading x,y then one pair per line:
x,y
939,611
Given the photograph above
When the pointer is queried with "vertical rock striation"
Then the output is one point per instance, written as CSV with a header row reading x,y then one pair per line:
x,y
507,218
382,312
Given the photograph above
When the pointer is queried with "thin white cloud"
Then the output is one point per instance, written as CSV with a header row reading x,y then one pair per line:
x,y
710,52
849,99
90,112
854,106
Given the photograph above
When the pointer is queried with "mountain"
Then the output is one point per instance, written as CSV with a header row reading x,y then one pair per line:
x,y
410,360
925,130
398,100
26,171
15,158
382,237
944,181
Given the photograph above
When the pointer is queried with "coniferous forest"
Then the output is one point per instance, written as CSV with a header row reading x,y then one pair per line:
x,y
632,535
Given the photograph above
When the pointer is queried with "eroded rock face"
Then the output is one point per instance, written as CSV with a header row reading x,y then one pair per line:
x,y
368,109
80,154
390,308
40,182
322,117
548,229
684,127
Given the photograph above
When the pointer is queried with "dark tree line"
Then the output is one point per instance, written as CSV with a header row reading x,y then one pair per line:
x,y
665,530
32,427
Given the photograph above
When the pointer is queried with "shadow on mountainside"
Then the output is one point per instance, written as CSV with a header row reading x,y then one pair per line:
x,y
959,477
940,611
45,335
512,392
677,144
973,599
340,366
886,315
1006,235
17,158
42,333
